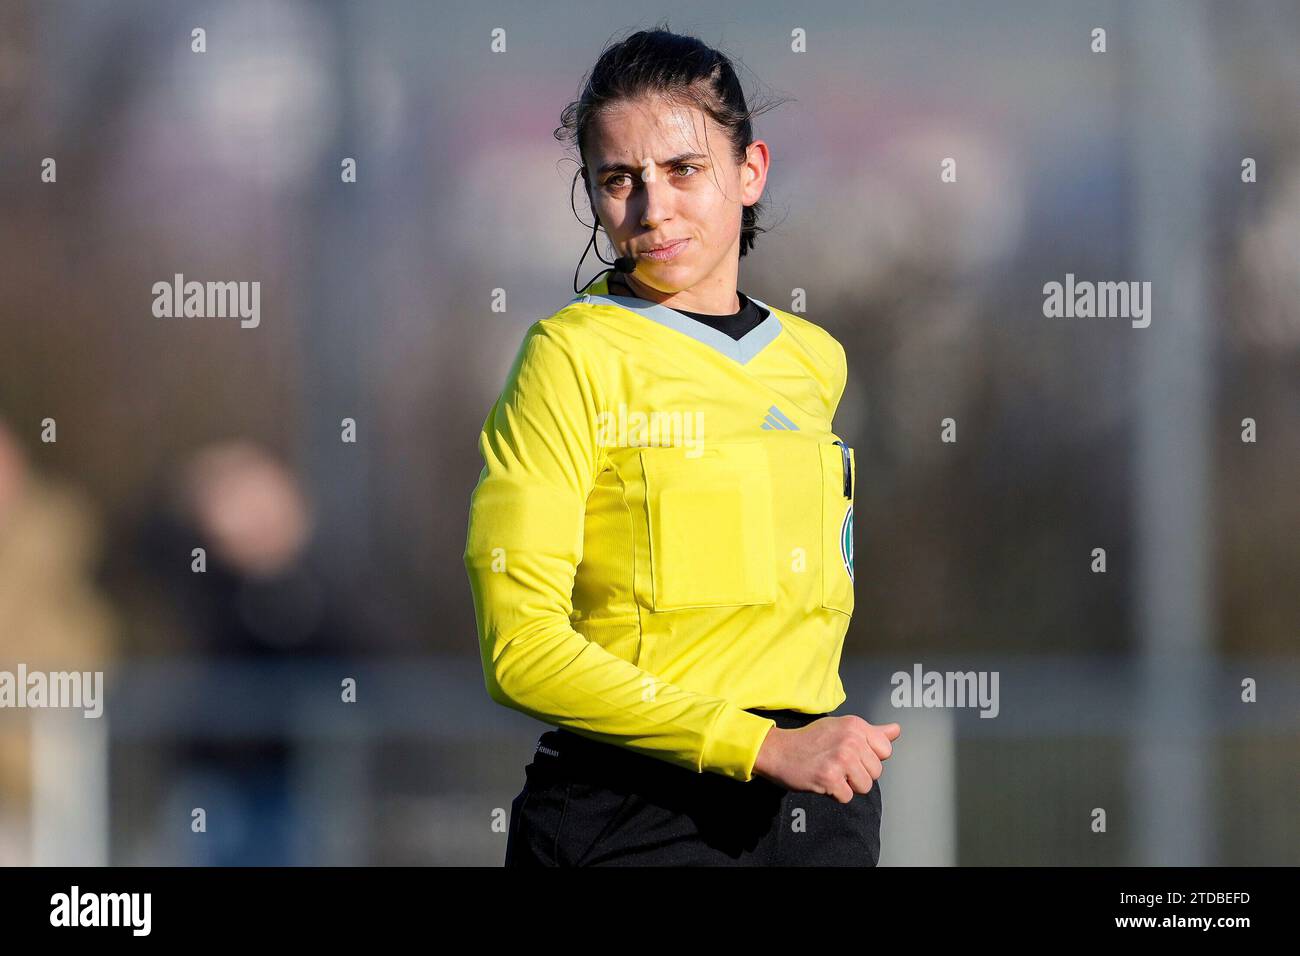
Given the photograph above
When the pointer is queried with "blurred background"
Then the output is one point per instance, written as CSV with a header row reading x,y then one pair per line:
x,y
329,560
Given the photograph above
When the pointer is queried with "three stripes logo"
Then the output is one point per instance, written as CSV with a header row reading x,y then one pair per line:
x,y
776,419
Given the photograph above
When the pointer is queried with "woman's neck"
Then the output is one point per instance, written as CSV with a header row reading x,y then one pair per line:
x,y
616,281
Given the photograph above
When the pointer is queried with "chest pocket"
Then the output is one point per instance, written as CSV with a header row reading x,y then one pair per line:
x,y
839,479
710,525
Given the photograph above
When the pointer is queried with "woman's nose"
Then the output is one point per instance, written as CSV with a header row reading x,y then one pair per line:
x,y
657,203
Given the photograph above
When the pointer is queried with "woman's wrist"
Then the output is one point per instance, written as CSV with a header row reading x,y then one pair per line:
x,y
769,755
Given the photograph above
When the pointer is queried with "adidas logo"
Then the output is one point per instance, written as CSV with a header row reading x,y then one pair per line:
x,y
775,419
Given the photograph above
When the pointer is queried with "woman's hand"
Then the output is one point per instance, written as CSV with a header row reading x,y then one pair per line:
x,y
839,756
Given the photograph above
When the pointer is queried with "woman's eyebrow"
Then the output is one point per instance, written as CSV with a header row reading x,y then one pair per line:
x,y
630,168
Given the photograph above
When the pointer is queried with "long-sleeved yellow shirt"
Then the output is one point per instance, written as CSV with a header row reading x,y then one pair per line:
x,y
662,532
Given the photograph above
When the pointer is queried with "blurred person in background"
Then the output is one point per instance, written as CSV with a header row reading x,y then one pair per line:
x,y
52,614
257,593
261,597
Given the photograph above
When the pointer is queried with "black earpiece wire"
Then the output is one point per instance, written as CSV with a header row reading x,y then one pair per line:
x,y
623,264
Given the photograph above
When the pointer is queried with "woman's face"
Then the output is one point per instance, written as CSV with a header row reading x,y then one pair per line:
x,y
653,178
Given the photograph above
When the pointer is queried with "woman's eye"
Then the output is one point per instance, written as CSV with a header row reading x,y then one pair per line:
x,y
623,180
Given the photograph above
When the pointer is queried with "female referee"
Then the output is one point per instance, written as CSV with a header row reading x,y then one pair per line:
x,y
660,543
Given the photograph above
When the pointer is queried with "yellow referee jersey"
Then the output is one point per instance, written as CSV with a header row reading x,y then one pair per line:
x,y
662,533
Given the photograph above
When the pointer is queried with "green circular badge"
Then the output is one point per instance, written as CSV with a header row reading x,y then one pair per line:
x,y
846,541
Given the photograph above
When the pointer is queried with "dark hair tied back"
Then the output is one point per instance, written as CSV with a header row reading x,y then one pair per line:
x,y
682,69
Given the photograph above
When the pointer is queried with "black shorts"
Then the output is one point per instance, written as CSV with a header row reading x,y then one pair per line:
x,y
587,803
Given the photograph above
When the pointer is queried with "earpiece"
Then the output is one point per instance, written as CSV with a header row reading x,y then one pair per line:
x,y
621,265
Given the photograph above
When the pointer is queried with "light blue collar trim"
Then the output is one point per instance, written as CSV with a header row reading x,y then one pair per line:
x,y
742,349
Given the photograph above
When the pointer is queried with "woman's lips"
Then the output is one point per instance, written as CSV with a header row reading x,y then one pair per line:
x,y
669,251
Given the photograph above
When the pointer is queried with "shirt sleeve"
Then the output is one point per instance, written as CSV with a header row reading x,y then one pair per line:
x,y
541,458
841,375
